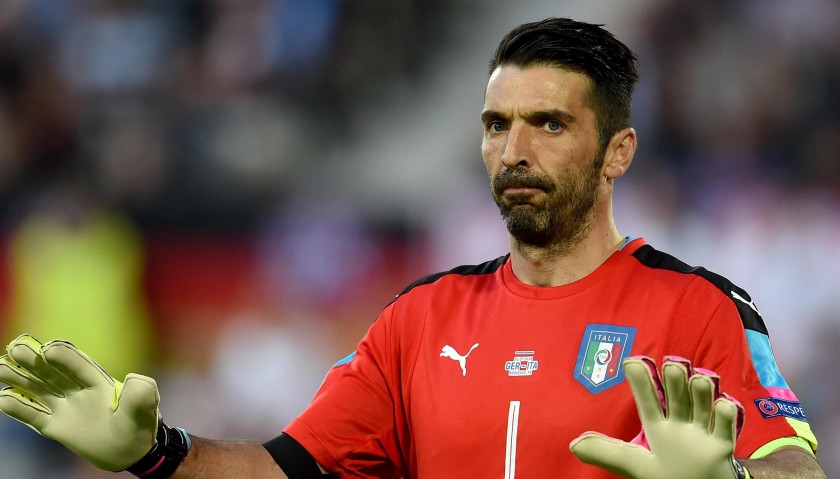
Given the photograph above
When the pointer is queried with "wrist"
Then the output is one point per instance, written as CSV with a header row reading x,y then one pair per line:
x,y
172,446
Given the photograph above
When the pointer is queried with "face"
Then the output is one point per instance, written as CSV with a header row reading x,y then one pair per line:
x,y
542,153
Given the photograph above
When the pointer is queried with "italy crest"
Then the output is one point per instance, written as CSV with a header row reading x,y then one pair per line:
x,y
602,349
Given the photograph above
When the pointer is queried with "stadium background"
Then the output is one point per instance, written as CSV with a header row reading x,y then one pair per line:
x,y
246,183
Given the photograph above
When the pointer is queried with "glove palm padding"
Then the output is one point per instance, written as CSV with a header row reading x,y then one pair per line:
x,y
692,438
64,395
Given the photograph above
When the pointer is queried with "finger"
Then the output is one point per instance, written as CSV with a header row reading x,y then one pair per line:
x,y
739,419
24,339
76,365
615,456
26,351
137,402
647,389
675,374
6,376
15,376
702,390
714,377
25,409
726,415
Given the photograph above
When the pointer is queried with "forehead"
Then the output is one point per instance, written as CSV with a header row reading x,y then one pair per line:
x,y
537,88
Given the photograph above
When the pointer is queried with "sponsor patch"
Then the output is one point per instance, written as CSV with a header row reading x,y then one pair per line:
x,y
602,349
772,407
523,364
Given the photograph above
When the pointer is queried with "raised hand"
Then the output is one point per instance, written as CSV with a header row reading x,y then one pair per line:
x,y
689,428
64,395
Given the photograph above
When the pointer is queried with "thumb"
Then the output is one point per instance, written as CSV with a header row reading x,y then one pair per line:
x,y
137,406
613,455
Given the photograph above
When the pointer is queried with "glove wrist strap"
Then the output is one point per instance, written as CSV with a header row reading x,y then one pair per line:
x,y
172,446
741,472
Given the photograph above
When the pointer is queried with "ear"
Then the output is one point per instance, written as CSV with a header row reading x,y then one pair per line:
x,y
619,153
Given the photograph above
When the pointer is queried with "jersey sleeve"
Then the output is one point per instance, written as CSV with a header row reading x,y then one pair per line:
x,y
737,347
351,426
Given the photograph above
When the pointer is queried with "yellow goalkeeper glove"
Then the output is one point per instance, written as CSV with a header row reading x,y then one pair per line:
x,y
64,395
689,428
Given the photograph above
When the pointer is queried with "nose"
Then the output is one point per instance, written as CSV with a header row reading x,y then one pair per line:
x,y
517,151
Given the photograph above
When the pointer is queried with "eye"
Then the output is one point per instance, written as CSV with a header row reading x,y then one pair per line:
x,y
553,125
495,126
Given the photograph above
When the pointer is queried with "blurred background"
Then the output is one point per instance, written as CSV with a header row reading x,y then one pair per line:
x,y
224,193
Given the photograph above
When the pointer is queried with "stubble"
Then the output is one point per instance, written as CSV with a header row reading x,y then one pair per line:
x,y
564,217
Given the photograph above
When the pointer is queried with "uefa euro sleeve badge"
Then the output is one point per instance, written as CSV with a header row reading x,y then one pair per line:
x,y
602,349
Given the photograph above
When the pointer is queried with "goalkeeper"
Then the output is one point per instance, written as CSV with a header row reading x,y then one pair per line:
x,y
515,368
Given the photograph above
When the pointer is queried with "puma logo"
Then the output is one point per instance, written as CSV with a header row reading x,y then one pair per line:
x,y
449,352
751,304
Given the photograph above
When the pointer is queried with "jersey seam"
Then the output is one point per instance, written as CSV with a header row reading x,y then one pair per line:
x,y
667,347
415,354
417,347
719,305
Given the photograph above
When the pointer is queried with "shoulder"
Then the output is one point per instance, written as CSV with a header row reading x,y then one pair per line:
x,y
701,284
404,318
458,273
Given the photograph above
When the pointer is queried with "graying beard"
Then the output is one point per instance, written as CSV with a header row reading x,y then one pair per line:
x,y
550,244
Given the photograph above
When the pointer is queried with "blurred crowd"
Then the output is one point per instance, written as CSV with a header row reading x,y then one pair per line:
x,y
224,193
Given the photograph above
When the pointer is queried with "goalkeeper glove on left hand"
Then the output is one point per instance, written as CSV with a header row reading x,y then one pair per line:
x,y
689,428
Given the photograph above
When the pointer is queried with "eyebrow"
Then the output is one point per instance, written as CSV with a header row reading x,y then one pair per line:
x,y
532,116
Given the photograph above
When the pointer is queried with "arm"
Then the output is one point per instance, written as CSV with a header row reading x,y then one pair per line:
x,y
229,460
785,462
64,395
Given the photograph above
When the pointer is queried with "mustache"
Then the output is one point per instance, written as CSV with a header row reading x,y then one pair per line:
x,y
519,178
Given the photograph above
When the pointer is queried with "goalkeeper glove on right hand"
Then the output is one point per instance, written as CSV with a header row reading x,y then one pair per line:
x,y
64,395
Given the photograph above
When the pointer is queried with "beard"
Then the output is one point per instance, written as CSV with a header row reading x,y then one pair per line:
x,y
564,216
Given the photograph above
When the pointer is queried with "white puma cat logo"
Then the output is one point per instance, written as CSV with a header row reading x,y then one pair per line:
x,y
449,352
751,304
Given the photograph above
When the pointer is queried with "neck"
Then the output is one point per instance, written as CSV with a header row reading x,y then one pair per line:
x,y
553,266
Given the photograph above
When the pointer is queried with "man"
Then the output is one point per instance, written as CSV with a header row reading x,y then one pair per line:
x,y
496,370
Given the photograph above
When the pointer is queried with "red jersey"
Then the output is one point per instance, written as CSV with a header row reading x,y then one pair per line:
x,y
474,374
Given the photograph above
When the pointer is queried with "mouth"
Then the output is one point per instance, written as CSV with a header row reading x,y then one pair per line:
x,y
518,184
521,197
521,190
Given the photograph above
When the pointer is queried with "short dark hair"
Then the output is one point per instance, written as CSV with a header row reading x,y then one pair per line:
x,y
584,48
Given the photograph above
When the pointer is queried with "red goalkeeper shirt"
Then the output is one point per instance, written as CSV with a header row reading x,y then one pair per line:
x,y
474,374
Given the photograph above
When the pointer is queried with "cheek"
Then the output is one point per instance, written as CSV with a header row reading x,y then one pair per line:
x,y
490,152
488,165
